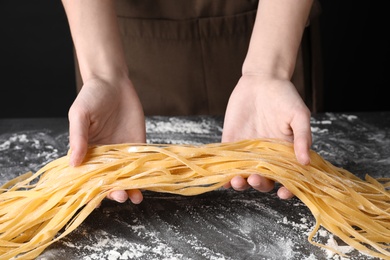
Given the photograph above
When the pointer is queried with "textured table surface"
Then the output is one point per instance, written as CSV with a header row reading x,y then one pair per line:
x,y
222,224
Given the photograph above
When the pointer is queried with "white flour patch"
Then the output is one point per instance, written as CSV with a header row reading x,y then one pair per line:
x,y
349,117
173,141
176,125
183,130
319,130
317,126
26,151
305,227
321,122
111,247
332,243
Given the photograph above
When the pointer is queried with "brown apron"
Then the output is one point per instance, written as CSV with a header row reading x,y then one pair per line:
x,y
185,57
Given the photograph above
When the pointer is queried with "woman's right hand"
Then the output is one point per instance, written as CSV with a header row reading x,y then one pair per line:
x,y
106,112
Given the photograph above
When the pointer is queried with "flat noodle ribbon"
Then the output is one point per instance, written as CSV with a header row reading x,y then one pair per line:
x,y
33,210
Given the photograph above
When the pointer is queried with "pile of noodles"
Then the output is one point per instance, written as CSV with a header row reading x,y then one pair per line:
x,y
33,209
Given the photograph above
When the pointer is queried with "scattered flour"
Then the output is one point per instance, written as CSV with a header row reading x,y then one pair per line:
x,y
178,125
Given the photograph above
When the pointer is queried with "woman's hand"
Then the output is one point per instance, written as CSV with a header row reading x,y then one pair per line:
x,y
104,113
262,106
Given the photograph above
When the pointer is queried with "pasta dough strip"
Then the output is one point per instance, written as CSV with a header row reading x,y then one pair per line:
x,y
35,207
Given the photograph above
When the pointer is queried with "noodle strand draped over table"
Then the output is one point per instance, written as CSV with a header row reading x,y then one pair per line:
x,y
38,209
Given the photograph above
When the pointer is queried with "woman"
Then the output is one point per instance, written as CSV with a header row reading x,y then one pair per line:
x,y
188,57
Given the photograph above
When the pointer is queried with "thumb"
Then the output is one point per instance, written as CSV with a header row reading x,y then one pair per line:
x,y
78,141
302,142
302,145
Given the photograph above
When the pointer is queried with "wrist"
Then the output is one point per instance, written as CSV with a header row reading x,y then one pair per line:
x,y
275,68
117,81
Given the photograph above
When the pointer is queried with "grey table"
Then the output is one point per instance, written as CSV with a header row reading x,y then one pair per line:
x,y
222,224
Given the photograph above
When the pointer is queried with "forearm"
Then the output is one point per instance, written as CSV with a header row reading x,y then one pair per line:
x,y
276,37
96,38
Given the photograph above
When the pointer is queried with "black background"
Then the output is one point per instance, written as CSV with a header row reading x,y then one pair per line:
x,y
37,72
356,55
37,75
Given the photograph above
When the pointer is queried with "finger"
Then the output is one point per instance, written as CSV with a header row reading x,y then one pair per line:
x,y
135,196
302,149
78,140
284,193
118,195
260,183
227,185
77,154
238,183
302,140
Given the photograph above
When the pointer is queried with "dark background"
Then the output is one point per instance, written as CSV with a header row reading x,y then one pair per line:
x,y
38,80
36,65
356,55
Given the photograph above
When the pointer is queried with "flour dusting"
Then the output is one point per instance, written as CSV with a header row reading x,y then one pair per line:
x,y
25,151
220,225
104,245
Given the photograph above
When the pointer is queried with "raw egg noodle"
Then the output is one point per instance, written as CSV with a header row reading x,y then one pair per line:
x,y
35,207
